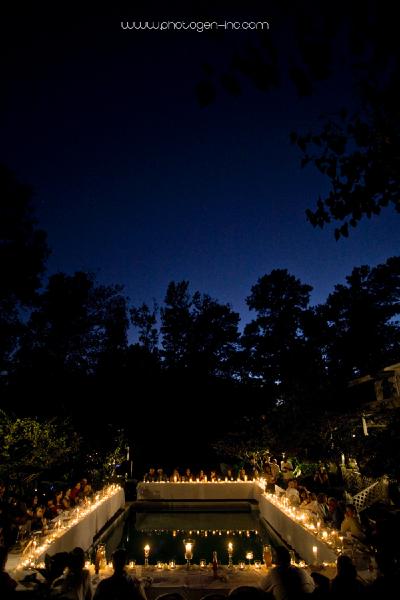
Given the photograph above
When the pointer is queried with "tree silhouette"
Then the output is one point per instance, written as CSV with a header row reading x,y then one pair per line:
x,y
199,333
358,149
23,254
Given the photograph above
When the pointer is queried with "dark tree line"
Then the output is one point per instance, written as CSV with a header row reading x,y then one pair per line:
x,y
64,341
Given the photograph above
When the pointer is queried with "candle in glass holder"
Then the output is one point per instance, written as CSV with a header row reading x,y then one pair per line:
x,y
325,535
241,565
159,564
315,553
146,555
203,563
257,564
172,564
188,551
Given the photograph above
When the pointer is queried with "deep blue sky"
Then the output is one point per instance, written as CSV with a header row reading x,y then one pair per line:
x,y
138,183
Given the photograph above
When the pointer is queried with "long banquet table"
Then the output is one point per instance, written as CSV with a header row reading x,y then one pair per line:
x,y
310,547
221,490
82,533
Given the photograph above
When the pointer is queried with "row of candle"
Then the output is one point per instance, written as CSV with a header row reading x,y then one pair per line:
x,y
329,536
34,550
205,480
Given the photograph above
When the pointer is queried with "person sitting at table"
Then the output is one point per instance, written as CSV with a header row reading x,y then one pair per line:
x,y
202,475
86,488
175,477
188,475
311,504
38,522
66,501
287,470
292,493
213,476
120,585
76,582
286,580
230,474
346,584
7,583
151,475
335,513
242,474
322,507
351,524
246,592
160,475
76,494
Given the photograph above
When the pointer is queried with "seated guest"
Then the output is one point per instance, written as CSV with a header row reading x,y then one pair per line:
x,y
188,475
242,475
51,510
86,488
202,476
287,470
335,513
345,584
286,580
160,475
7,584
75,583
311,505
351,524
322,586
58,503
248,592
175,476
213,476
151,475
292,493
66,501
322,506
76,494
38,522
120,585
229,474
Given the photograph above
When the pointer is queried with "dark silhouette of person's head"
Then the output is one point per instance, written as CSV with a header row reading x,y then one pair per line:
x,y
248,592
282,556
322,582
171,596
3,557
119,559
345,567
76,560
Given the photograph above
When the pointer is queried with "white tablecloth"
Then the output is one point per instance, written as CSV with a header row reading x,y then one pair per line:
x,y
299,538
224,490
82,533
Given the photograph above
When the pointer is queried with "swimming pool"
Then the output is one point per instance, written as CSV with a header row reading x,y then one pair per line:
x,y
165,533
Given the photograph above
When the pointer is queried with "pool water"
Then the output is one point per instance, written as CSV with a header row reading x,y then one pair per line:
x,y
165,534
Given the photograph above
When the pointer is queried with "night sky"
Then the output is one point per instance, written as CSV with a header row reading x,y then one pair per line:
x,y
135,181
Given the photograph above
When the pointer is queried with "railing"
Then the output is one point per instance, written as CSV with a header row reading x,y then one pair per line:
x,y
379,490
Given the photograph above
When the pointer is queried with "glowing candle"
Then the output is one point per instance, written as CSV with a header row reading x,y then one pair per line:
x,y
315,552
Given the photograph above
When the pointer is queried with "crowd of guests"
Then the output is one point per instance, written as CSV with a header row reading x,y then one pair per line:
x,y
158,475
20,515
